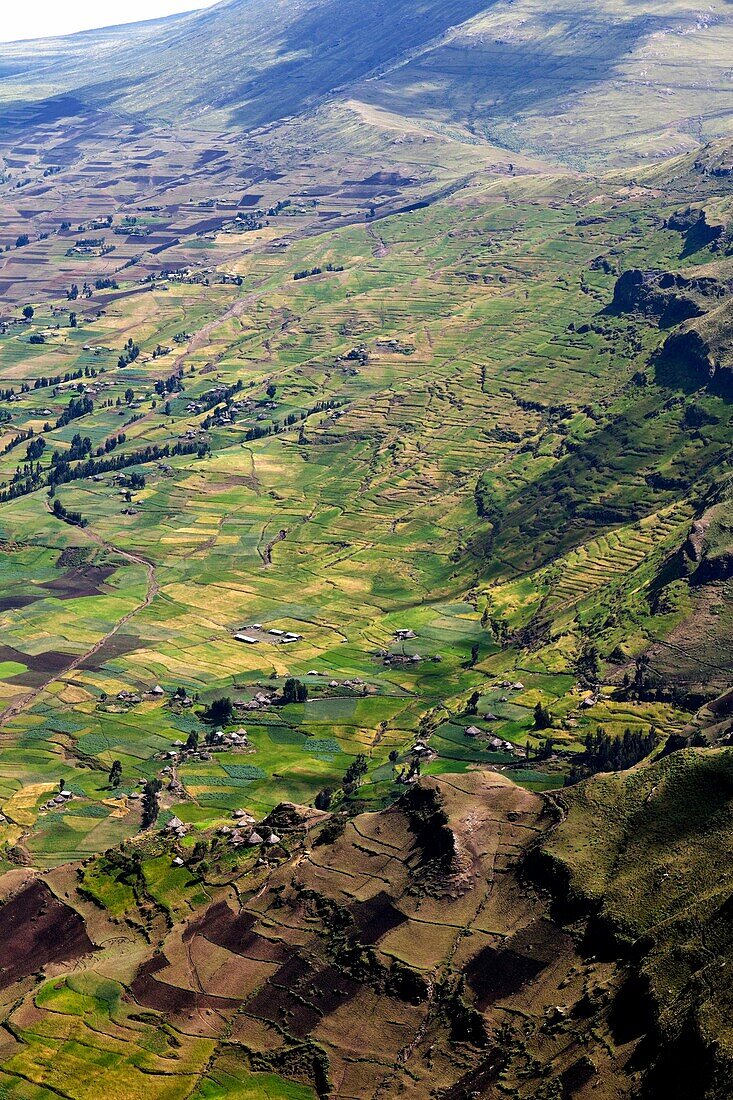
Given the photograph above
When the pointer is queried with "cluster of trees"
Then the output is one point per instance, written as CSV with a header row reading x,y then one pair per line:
x,y
222,394
259,431
353,776
308,273
130,352
74,293
62,471
169,385
542,717
295,691
43,382
81,446
77,407
115,774
324,799
355,772
606,753
35,449
219,711
151,807
112,442
76,519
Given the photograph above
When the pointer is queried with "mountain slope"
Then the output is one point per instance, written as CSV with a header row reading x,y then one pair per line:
x,y
616,81
470,941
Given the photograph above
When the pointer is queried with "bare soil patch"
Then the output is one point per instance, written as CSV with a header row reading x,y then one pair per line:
x,y
119,645
13,603
37,929
39,664
151,992
80,582
233,931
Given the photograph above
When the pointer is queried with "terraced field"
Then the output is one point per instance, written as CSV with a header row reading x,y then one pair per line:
x,y
365,490
400,382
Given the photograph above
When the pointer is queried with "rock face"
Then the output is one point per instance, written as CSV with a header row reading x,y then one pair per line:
x,y
669,297
698,231
717,567
688,361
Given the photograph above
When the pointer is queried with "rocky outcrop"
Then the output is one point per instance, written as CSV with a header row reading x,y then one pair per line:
x,y
716,567
667,297
687,360
698,231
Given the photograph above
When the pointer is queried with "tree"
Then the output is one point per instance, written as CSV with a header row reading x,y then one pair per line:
x,y
200,850
542,717
271,390
151,809
22,240
73,320
472,706
115,774
587,663
356,771
546,749
35,449
192,741
294,691
220,711
604,753
28,313
324,799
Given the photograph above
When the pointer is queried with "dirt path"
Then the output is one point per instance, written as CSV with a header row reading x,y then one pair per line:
x,y
381,248
201,338
266,554
151,592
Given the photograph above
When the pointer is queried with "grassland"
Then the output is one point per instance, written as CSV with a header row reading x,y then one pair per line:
x,y
441,455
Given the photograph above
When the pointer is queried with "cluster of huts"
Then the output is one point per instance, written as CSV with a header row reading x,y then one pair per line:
x,y
61,799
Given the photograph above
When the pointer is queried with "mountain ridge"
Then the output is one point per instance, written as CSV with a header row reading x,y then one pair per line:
x,y
512,74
